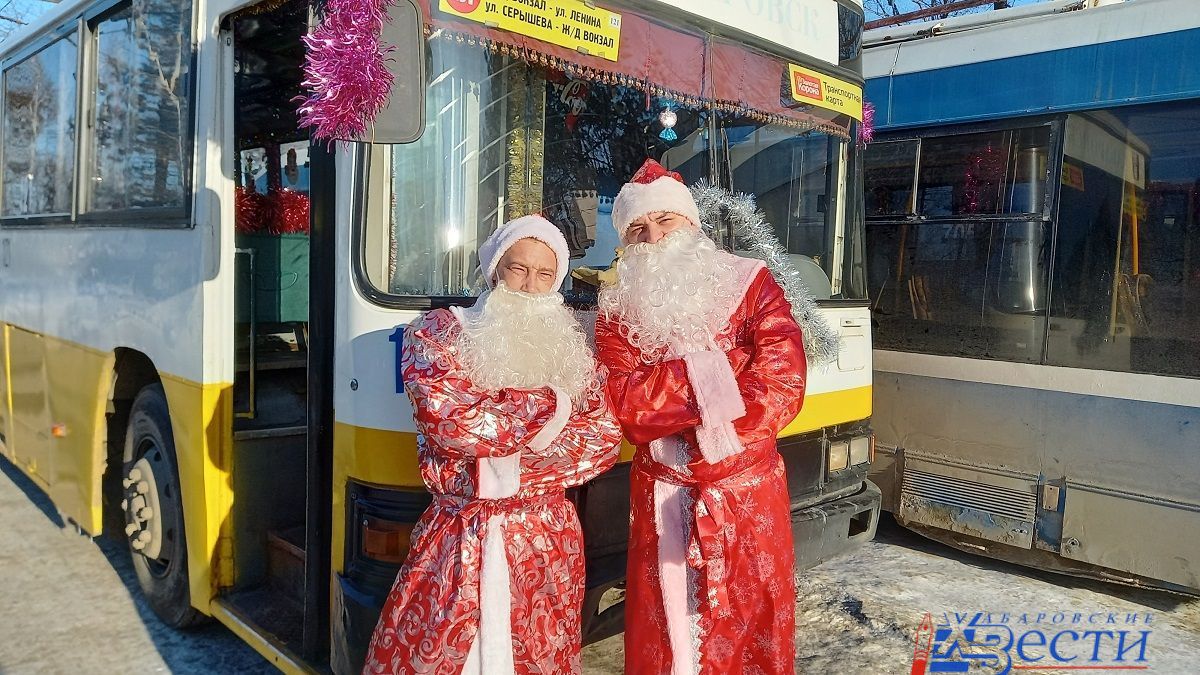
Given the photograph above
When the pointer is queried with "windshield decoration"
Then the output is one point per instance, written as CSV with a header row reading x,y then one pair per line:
x,y
750,227
345,70
667,118
866,130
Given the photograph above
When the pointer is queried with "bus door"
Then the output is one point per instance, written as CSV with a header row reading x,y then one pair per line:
x,y
271,169
5,434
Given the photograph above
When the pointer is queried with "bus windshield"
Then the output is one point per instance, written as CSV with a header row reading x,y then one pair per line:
x,y
799,183
505,137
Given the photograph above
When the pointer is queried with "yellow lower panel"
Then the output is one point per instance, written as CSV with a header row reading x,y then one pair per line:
x,y
6,406
79,381
58,435
371,456
202,422
829,408
55,394
390,457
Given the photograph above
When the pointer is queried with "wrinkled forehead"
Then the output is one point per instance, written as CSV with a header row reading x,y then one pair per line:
x,y
665,217
531,252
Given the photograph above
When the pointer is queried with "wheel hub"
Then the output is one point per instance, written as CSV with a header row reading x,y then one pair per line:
x,y
143,521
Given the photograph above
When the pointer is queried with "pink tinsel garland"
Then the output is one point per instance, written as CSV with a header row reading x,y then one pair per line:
x,y
345,70
866,130
981,180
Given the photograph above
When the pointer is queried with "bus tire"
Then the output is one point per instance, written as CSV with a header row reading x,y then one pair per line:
x,y
150,489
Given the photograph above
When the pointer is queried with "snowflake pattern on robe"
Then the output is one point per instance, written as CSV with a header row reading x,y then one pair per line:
x,y
751,629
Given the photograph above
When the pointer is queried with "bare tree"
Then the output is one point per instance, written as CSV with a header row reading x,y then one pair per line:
x,y
16,14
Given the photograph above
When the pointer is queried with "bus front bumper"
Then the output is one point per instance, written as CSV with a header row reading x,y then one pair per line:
x,y
830,529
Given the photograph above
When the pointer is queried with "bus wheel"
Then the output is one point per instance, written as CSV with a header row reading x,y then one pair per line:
x,y
154,511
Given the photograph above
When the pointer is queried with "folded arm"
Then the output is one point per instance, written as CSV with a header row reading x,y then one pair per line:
x,y
651,401
459,419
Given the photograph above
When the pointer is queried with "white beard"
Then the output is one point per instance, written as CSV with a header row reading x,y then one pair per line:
x,y
515,339
671,297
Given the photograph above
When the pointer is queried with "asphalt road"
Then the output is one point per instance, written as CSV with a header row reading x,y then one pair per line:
x,y
71,604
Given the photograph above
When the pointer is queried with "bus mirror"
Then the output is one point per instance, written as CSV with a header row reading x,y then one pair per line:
x,y
402,120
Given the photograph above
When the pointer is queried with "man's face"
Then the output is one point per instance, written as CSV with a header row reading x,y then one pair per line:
x,y
653,226
529,266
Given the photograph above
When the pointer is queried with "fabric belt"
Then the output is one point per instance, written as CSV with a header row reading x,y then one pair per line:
x,y
471,507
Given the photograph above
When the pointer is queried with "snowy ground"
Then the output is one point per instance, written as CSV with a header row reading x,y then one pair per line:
x,y
860,613
68,605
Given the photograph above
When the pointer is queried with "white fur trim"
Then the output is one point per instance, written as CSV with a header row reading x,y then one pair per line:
x,y
670,522
525,227
715,387
663,194
554,426
718,441
499,477
748,270
492,651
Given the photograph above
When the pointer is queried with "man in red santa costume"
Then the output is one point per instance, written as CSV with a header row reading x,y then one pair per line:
x,y
510,406
706,365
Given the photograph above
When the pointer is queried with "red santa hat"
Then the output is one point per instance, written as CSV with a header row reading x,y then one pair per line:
x,y
526,227
651,189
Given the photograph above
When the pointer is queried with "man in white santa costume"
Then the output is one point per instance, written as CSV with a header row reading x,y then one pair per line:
x,y
511,410
706,365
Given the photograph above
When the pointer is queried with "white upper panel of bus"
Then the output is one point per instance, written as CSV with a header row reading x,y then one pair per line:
x,y
809,27
1029,29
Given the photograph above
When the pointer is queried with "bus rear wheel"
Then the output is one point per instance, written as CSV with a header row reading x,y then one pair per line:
x,y
154,510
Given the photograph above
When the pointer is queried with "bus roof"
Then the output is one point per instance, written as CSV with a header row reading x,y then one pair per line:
x,y
1052,57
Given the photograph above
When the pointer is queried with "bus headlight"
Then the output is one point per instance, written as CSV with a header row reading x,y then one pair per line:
x,y
860,450
839,456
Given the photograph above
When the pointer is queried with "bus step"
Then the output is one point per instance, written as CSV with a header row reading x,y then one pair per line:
x,y
285,562
269,432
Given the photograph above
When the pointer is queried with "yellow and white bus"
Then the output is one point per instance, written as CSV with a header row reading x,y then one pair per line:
x,y
201,311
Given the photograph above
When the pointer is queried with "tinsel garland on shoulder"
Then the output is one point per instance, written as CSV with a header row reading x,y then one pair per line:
x,y
750,226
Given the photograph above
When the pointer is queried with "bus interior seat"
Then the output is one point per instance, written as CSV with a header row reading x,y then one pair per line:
x,y
813,276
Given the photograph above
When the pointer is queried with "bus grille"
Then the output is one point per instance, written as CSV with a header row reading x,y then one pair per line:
x,y
991,499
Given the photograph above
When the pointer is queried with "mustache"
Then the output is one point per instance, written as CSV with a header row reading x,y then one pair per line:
x,y
669,240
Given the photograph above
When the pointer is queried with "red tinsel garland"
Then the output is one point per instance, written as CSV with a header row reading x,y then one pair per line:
x,y
282,211
251,210
290,212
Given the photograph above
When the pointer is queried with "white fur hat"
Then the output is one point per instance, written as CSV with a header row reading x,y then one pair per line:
x,y
652,188
526,227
